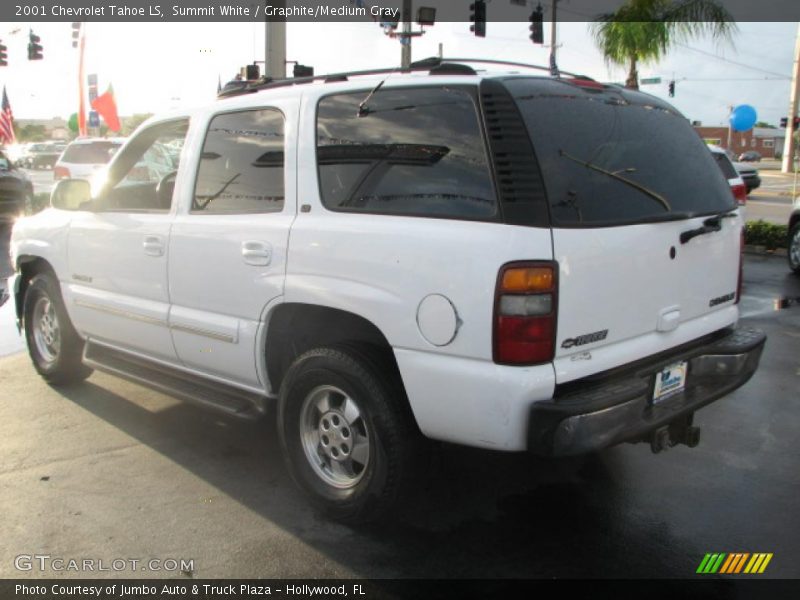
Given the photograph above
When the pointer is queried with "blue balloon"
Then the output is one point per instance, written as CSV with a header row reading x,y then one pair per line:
x,y
743,117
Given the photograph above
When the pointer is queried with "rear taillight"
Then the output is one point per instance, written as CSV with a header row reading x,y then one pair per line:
x,y
61,173
741,268
740,193
525,312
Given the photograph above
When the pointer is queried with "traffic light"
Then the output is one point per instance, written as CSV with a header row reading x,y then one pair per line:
x,y
303,71
3,55
672,89
34,47
784,122
478,17
76,33
251,72
537,26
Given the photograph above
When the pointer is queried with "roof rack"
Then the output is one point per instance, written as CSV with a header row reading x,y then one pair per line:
x,y
433,64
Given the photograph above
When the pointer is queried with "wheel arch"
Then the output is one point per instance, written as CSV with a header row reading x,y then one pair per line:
x,y
294,328
28,266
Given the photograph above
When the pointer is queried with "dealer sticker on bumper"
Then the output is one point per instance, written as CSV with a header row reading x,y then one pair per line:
x,y
670,381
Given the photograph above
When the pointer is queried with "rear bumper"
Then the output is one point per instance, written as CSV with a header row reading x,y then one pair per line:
x,y
618,408
753,182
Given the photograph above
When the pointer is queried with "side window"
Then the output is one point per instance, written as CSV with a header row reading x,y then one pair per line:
x,y
139,181
241,167
412,151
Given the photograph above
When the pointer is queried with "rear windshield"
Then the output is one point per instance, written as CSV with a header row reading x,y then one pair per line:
x,y
89,154
609,157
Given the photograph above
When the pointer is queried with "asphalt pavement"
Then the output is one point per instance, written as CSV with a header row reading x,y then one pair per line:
x,y
110,470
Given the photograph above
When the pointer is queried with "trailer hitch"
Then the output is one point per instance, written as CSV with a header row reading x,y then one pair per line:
x,y
680,431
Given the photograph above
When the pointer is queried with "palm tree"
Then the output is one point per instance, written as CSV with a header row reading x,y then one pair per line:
x,y
644,30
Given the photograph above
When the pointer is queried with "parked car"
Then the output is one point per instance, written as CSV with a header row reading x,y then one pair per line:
x,y
85,156
793,243
729,171
489,258
42,155
750,156
749,175
16,191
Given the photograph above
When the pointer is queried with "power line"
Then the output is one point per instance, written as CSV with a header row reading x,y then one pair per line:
x,y
733,62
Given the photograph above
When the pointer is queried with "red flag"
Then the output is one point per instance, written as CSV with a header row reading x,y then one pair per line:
x,y
106,106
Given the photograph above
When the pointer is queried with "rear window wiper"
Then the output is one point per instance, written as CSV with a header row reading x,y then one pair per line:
x,y
710,225
615,175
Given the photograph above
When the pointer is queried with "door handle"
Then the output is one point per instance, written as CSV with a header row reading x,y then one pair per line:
x,y
153,245
257,253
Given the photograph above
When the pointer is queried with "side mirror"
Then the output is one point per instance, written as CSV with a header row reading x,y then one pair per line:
x,y
70,194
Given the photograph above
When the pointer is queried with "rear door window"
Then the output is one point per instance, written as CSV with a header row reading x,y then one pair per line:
x,y
610,157
409,151
725,165
93,153
241,167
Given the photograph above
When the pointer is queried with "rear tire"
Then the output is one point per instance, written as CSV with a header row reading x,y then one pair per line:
x,y
54,346
347,434
794,249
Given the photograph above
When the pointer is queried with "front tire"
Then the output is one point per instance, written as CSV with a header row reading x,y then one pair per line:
x,y
54,346
794,249
349,439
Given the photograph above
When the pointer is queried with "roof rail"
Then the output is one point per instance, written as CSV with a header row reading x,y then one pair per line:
x,y
434,64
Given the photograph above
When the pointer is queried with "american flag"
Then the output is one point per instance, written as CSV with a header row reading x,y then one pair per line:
x,y
7,121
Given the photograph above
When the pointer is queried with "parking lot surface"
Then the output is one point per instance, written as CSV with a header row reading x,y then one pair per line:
x,y
109,470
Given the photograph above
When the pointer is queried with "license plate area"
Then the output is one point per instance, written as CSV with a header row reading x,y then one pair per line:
x,y
669,381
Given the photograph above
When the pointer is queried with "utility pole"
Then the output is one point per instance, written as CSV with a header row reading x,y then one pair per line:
x,y
553,62
405,41
730,130
787,165
275,46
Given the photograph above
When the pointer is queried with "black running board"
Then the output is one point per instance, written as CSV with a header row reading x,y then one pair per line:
x,y
185,386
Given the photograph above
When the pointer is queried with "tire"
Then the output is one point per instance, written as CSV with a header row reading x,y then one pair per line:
x,y
53,344
793,252
347,434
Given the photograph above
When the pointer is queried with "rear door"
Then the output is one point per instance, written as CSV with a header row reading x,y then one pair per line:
x,y
626,176
228,243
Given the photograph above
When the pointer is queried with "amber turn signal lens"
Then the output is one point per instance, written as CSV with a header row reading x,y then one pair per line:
x,y
527,279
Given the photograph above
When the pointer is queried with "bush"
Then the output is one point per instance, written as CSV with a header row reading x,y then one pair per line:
x,y
761,233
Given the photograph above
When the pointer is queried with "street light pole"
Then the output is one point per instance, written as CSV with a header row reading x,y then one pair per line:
x,y
405,41
275,45
553,62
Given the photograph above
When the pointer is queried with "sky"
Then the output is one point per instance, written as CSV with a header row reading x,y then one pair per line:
x,y
158,66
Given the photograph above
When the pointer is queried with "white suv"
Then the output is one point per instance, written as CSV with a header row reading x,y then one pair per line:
x,y
501,260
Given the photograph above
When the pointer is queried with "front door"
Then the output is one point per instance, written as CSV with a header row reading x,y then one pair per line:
x,y
118,248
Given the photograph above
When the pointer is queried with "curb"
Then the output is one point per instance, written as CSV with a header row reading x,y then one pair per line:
x,y
762,250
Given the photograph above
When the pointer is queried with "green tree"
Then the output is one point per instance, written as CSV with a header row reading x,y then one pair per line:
x,y
129,124
645,30
31,132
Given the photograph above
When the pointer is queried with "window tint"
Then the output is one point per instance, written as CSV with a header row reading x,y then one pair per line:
x,y
92,153
241,168
613,157
136,182
407,151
